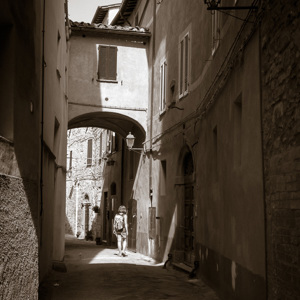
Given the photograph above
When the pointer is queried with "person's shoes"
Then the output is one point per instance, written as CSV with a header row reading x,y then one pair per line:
x,y
124,254
120,254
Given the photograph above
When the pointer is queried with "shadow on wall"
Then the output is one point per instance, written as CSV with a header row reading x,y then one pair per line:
x,y
68,227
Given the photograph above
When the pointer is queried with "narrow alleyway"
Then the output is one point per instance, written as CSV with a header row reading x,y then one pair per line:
x,y
96,272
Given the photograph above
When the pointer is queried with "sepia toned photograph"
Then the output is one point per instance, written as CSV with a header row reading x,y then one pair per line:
x,y
150,150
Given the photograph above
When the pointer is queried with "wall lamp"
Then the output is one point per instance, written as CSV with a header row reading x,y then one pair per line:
x,y
214,5
130,142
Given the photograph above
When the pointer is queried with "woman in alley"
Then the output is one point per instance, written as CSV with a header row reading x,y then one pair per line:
x,y
121,230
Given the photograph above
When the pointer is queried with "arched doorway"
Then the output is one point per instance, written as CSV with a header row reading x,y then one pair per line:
x,y
188,213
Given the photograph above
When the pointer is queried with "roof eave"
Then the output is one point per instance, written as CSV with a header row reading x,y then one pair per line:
x,y
134,35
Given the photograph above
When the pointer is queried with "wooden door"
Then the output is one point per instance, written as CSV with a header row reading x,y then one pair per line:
x,y
189,224
105,216
132,224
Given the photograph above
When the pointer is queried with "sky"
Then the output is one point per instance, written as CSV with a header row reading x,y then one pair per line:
x,y
84,10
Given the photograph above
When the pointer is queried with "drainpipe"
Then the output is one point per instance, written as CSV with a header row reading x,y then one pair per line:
x,y
42,108
152,99
76,207
262,154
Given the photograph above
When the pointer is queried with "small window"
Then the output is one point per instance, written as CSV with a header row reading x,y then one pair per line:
x,y
136,20
107,65
163,78
184,68
89,153
163,178
70,161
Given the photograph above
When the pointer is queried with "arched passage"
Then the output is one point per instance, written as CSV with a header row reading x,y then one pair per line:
x,y
186,172
116,122
119,165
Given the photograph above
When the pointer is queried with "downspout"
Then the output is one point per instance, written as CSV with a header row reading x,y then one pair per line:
x,y
76,209
152,99
262,153
122,172
42,108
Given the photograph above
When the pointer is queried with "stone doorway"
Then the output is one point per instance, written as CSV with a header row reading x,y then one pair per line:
x,y
189,241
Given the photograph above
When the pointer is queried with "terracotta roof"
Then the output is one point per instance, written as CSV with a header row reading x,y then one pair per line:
x,y
84,25
126,9
102,11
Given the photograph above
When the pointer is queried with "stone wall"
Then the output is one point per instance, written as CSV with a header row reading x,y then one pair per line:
x,y
18,270
84,183
281,112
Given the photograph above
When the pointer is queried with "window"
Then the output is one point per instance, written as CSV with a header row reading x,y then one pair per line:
x,y
238,130
70,161
215,31
107,66
131,165
163,178
114,142
89,153
184,68
163,78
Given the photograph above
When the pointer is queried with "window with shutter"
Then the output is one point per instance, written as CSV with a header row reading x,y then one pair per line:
x,y
89,153
107,65
184,65
163,78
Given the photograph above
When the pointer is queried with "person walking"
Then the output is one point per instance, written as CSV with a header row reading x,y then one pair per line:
x,y
121,230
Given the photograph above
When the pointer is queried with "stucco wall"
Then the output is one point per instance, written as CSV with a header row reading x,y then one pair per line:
x,y
19,242
229,231
126,96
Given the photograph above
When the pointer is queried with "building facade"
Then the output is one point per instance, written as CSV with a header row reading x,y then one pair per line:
x,y
213,101
33,127
93,190
222,129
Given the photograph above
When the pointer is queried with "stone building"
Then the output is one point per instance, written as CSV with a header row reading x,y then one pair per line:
x,y
84,181
205,188
91,158
212,98
33,131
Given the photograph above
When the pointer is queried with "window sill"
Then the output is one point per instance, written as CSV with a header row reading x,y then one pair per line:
x,y
181,97
107,81
162,113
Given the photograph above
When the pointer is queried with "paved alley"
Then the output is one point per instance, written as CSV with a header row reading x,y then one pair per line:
x,y
96,272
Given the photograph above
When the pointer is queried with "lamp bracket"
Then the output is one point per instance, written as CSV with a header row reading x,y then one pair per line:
x,y
232,7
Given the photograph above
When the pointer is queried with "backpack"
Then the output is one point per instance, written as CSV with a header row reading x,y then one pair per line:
x,y
119,222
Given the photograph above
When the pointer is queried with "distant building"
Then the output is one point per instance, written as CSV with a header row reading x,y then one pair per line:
x,y
84,181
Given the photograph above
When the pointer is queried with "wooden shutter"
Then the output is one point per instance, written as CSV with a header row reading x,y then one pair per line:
x,y
181,68
102,71
107,67
89,152
70,162
112,64
186,64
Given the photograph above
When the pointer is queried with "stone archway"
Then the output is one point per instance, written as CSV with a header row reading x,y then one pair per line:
x,y
185,249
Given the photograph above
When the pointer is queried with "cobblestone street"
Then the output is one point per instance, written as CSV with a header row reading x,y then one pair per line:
x,y
96,272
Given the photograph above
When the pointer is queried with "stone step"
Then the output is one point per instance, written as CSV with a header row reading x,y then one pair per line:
x,y
182,267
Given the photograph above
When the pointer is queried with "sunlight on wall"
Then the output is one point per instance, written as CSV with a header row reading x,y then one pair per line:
x,y
171,233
